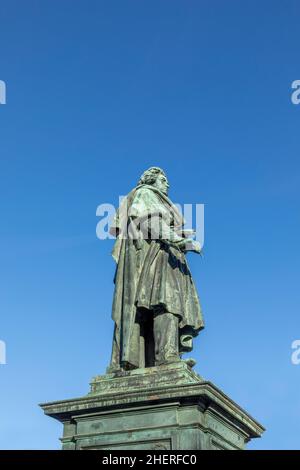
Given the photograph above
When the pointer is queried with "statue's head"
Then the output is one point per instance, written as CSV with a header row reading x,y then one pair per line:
x,y
156,177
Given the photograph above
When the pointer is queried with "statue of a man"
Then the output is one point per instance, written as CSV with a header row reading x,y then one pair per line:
x,y
156,308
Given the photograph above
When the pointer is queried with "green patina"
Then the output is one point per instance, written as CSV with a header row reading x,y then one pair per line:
x,y
150,397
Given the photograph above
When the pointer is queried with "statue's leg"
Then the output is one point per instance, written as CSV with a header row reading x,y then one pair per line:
x,y
165,331
133,357
115,354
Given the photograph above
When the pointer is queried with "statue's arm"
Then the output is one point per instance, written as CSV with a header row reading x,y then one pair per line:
x,y
152,220
167,234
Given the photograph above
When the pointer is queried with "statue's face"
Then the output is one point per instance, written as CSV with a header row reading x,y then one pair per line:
x,y
162,184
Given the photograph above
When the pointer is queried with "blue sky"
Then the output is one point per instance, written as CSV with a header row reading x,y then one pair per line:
x,y
97,92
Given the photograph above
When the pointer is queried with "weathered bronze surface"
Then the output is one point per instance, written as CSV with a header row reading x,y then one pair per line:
x,y
150,398
156,309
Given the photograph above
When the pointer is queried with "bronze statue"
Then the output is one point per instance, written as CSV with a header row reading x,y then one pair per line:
x,y
156,308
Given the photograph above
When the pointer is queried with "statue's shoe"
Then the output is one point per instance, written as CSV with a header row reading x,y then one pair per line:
x,y
190,362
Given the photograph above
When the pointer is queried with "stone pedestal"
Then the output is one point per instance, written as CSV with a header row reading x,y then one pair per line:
x,y
157,408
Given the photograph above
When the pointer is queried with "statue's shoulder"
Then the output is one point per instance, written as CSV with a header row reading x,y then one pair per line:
x,y
143,189
144,201
144,192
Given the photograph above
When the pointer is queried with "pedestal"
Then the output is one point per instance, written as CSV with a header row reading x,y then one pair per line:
x,y
157,408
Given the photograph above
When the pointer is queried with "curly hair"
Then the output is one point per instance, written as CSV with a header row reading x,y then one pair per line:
x,y
149,176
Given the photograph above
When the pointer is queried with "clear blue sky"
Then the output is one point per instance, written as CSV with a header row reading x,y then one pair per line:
x,y
97,91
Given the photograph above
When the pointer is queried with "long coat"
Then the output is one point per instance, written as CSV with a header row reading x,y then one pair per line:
x,y
150,273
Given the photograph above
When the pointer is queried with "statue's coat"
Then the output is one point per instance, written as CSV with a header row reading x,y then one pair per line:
x,y
150,273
